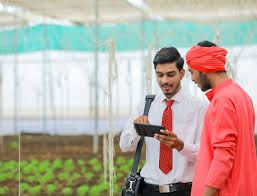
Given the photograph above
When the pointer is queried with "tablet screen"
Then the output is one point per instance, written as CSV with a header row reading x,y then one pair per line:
x,y
148,130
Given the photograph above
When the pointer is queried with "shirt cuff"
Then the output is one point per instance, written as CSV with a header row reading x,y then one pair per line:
x,y
187,150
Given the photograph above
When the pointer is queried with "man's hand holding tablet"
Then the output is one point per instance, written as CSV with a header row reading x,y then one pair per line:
x,y
170,139
148,130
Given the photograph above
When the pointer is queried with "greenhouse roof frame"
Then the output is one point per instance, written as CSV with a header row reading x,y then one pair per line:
x,y
120,11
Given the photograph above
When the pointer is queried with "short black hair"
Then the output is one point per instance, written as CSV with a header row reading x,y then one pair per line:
x,y
206,43
168,55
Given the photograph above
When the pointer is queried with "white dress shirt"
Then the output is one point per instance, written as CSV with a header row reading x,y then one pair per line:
x,y
188,114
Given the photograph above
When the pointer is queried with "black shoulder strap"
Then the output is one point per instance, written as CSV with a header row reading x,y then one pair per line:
x,y
148,101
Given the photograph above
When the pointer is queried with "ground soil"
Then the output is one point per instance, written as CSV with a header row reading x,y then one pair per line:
x,y
45,147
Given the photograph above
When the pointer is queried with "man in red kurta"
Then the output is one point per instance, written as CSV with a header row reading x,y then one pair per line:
x,y
226,164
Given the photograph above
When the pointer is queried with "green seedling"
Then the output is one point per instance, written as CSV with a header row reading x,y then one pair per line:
x,y
94,161
82,190
97,167
69,165
81,162
74,177
34,162
63,176
24,187
43,166
29,169
96,191
23,164
57,164
116,189
67,191
121,161
130,163
31,179
51,188
89,176
47,177
3,177
68,162
35,190
120,175
124,168
4,190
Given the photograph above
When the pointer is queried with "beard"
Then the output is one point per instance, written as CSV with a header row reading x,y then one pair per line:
x,y
204,81
169,94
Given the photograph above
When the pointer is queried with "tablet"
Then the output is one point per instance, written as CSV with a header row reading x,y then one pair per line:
x,y
148,130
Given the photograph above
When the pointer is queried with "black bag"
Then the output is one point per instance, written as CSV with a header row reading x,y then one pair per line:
x,y
133,183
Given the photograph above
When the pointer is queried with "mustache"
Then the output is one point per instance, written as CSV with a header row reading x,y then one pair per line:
x,y
166,85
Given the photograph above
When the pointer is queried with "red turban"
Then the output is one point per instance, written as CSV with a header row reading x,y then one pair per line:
x,y
207,59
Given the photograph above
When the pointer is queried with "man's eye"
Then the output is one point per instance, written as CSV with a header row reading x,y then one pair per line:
x,y
171,75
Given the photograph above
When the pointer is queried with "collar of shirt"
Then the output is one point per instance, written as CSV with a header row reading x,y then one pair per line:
x,y
212,92
177,97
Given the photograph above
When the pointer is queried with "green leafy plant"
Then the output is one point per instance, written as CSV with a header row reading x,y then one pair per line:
x,y
51,188
69,165
101,179
43,166
124,168
116,189
97,167
63,176
47,177
94,161
6,176
34,162
57,164
36,190
96,191
4,190
67,191
130,163
29,169
24,187
10,166
121,161
74,177
31,179
120,175
81,163
89,176
82,190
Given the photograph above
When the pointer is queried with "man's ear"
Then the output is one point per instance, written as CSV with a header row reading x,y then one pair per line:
x,y
182,74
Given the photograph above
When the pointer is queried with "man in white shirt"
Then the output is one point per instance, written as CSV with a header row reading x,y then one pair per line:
x,y
170,160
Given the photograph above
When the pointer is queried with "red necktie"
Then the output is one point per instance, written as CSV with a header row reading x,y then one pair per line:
x,y
165,161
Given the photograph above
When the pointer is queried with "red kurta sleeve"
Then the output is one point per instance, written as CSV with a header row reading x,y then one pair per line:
x,y
223,138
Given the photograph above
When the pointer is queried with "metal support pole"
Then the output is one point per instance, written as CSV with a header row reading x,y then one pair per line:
x,y
95,139
16,80
143,55
1,109
44,78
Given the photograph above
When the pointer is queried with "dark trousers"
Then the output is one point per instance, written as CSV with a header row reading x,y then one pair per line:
x,y
147,192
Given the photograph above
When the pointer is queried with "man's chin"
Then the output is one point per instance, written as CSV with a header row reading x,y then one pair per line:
x,y
205,89
168,94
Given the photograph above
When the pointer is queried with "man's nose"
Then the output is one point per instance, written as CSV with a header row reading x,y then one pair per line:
x,y
164,79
